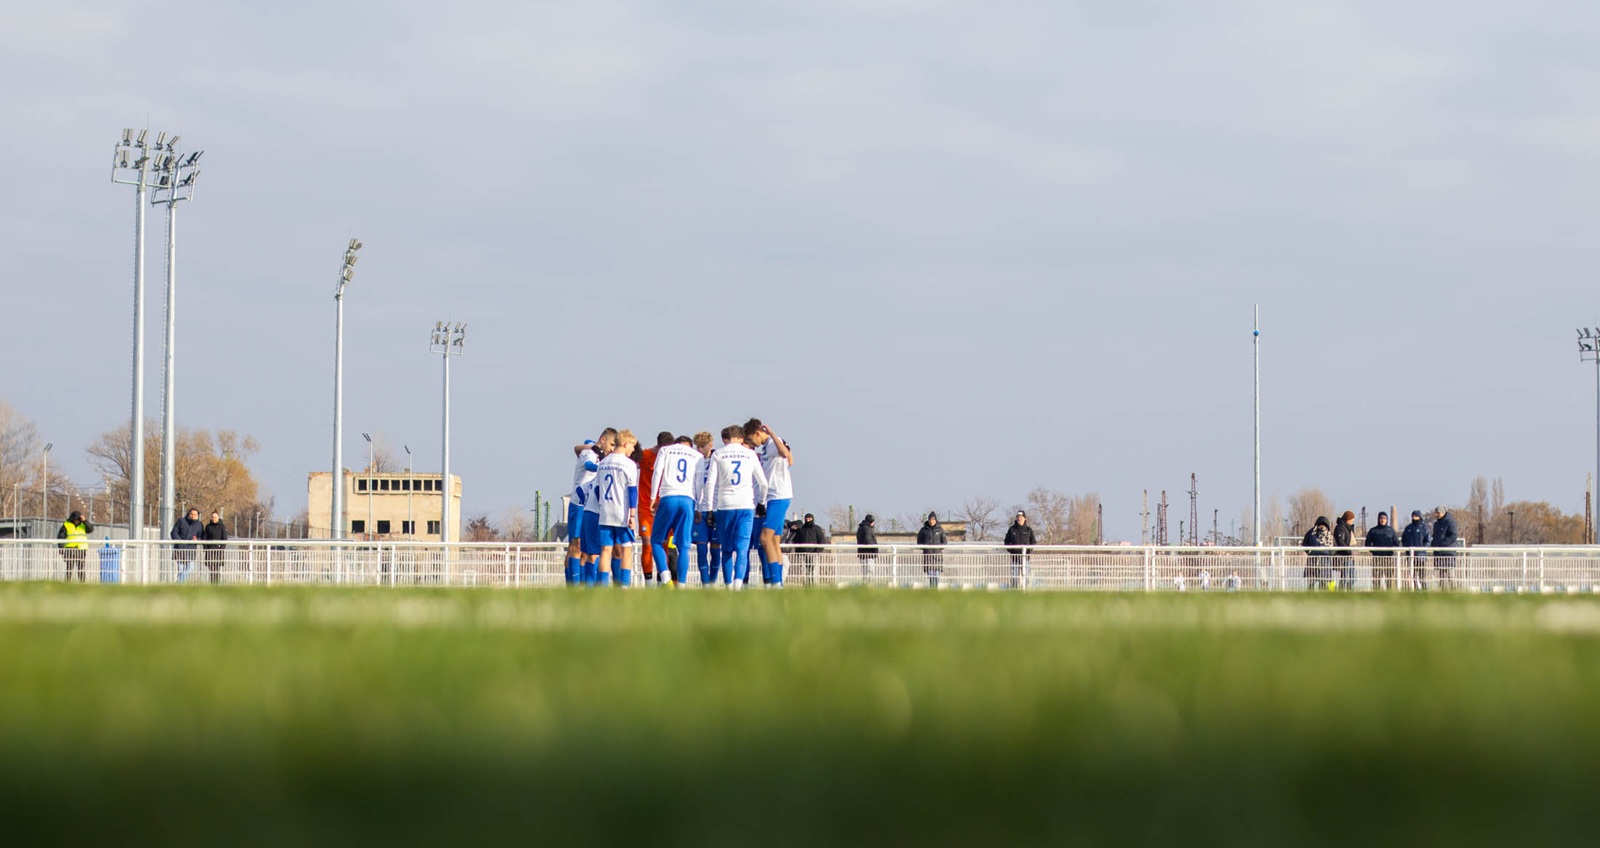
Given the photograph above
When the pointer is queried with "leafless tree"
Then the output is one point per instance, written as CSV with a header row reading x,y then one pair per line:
x,y
1306,506
517,525
1048,512
479,529
979,515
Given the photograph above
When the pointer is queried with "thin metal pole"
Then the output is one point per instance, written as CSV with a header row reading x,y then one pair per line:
x,y
136,422
411,519
1597,436
169,426
444,511
336,481
44,484
371,528
1255,523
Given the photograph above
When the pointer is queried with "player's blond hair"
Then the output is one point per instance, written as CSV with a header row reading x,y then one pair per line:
x,y
702,439
626,440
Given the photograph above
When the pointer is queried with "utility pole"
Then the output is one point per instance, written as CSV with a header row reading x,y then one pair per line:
x,y
1144,515
447,342
1194,511
1100,523
1589,351
1161,519
175,177
347,272
1255,520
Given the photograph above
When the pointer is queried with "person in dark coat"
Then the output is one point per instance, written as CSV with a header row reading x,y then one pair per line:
x,y
1019,538
867,545
187,529
1344,535
1383,540
932,539
1417,538
1445,540
1317,571
808,541
214,531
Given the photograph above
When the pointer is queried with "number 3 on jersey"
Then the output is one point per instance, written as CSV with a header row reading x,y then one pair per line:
x,y
736,477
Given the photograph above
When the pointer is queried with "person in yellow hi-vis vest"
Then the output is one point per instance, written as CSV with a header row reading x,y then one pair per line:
x,y
75,545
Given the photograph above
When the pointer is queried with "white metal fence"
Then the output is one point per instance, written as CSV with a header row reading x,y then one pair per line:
x,y
968,566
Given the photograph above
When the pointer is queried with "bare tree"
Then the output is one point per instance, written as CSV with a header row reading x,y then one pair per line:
x,y
1306,506
517,525
1477,511
1083,519
479,529
211,469
384,459
979,514
1048,511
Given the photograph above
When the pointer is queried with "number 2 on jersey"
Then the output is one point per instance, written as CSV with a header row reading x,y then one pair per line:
x,y
610,487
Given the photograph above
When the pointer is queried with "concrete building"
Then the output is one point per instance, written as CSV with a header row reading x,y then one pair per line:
x,y
384,506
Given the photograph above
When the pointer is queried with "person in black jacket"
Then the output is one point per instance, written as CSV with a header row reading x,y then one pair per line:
x,y
808,541
187,529
1344,535
1445,540
932,539
74,544
1416,538
1317,570
1383,540
214,531
1019,538
867,545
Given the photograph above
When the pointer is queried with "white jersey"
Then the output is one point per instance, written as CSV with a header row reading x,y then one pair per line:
x,y
779,486
677,471
616,487
736,479
581,474
702,486
591,496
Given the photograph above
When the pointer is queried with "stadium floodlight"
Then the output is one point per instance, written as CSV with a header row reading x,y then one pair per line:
x,y
132,164
174,184
347,272
1589,351
371,469
447,342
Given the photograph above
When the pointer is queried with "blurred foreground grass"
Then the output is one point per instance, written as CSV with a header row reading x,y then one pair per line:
x,y
307,716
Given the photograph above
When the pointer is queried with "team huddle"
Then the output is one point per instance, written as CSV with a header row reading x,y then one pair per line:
x,y
677,495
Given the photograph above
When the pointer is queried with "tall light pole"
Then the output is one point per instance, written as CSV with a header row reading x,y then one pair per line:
x,y
347,271
173,178
447,341
44,483
130,165
1255,520
370,528
1589,351
411,520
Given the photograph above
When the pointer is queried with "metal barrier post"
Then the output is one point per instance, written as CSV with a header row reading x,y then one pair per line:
x,y
894,565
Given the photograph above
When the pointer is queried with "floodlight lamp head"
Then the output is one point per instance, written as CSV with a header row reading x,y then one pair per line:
x,y
161,139
355,244
172,143
142,134
347,273
127,136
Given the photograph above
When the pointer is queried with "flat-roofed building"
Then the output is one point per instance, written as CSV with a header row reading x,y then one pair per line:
x,y
383,506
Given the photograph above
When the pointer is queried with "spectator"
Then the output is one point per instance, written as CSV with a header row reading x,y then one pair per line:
x,y
1416,538
1344,535
1019,538
1382,540
808,541
1444,543
188,530
75,533
867,545
932,540
1316,572
214,531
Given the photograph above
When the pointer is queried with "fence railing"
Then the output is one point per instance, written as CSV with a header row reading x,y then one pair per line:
x,y
966,566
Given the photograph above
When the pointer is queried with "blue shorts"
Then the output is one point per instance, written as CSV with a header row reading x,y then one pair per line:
x,y
610,536
575,521
589,540
777,512
701,534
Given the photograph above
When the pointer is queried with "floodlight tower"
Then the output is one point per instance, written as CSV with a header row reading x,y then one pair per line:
x,y
347,272
1255,518
130,165
447,341
173,178
1589,351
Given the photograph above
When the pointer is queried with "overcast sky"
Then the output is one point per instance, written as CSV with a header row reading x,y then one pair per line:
x,y
946,248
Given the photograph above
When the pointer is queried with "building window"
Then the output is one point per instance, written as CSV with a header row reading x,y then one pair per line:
x,y
358,526
361,484
433,528
387,484
408,527
383,527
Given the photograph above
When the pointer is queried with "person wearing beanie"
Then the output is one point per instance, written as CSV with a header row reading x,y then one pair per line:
x,y
867,546
1416,539
74,546
1317,569
1019,537
932,539
1344,535
1445,539
1383,540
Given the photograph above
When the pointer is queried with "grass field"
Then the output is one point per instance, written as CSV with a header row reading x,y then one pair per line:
x,y
303,716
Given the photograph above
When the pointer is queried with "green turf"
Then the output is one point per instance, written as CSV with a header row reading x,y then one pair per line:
x,y
294,716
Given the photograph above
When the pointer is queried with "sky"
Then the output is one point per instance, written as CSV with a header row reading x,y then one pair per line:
x,y
945,248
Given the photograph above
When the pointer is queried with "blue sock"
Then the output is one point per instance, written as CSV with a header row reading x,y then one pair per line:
x,y
777,573
591,574
624,577
571,571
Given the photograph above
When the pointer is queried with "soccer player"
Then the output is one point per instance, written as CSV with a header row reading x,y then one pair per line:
x,y
736,482
677,470
776,458
646,460
707,551
579,565
616,488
